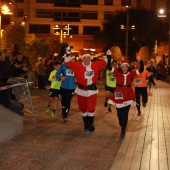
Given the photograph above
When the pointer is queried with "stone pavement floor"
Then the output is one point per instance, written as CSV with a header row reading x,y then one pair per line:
x,y
50,144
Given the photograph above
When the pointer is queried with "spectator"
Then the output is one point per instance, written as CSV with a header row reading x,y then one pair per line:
x,y
4,79
151,69
47,61
14,52
26,67
40,70
17,65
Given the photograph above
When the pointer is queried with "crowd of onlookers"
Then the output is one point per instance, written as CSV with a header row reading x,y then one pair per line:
x,y
44,66
160,70
12,64
15,64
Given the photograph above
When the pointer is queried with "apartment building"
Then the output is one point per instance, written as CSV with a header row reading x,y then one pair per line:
x,y
45,17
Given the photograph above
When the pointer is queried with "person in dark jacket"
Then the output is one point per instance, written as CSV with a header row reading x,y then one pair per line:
x,y
67,88
4,78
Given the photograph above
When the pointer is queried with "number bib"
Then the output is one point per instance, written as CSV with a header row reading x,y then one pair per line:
x,y
118,95
56,79
69,72
111,79
89,74
138,81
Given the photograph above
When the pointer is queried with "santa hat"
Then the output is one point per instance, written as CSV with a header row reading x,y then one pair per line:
x,y
124,62
85,54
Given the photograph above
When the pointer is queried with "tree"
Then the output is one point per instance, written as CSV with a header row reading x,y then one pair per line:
x,y
14,34
38,48
148,28
144,53
56,47
116,53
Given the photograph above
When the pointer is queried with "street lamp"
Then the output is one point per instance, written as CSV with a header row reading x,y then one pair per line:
x,y
5,11
162,14
127,27
63,31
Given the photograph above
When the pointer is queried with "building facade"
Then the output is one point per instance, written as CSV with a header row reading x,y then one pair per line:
x,y
85,17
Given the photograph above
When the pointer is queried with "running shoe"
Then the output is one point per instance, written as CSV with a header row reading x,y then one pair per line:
x,y
139,113
47,109
65,120
91,128
109,109
144,104
53,114
105,104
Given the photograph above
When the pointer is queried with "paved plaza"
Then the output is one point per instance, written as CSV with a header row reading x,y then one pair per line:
x,y
50,144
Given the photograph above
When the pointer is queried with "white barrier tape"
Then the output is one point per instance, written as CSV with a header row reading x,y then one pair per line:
x,y
13,85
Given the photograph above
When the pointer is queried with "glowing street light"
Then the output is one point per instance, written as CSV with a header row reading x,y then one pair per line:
x,y
5,11
127,28
62,31
167,15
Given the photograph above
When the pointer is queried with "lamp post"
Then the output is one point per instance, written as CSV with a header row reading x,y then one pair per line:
x,y
167,15
0,20
127,32
61,33
127,28
3,10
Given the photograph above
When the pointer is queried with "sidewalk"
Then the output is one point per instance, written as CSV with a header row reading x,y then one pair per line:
x,y
50,144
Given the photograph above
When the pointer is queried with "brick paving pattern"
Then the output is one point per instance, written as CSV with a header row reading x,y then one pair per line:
x,y
49,144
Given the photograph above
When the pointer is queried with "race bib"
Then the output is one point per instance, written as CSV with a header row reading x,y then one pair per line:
x,y
69,72
138,81
89,74
118,95
111,79
56,79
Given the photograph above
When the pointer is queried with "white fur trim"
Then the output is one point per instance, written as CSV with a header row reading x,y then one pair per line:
x,y
85,93
124,64
67,59
124,104
84,114
85,55
87,114
91,114
137,72
112,69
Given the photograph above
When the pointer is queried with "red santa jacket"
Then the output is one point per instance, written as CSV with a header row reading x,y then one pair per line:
x,y
86,75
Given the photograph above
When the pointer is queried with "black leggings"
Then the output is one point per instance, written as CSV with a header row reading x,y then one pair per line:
x,y
143,92
122,114
66,96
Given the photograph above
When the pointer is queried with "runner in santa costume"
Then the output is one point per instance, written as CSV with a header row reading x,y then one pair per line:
x,y
123,96
86,73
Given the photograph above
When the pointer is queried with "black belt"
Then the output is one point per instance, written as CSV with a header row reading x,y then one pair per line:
x,y
89,87
124,86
